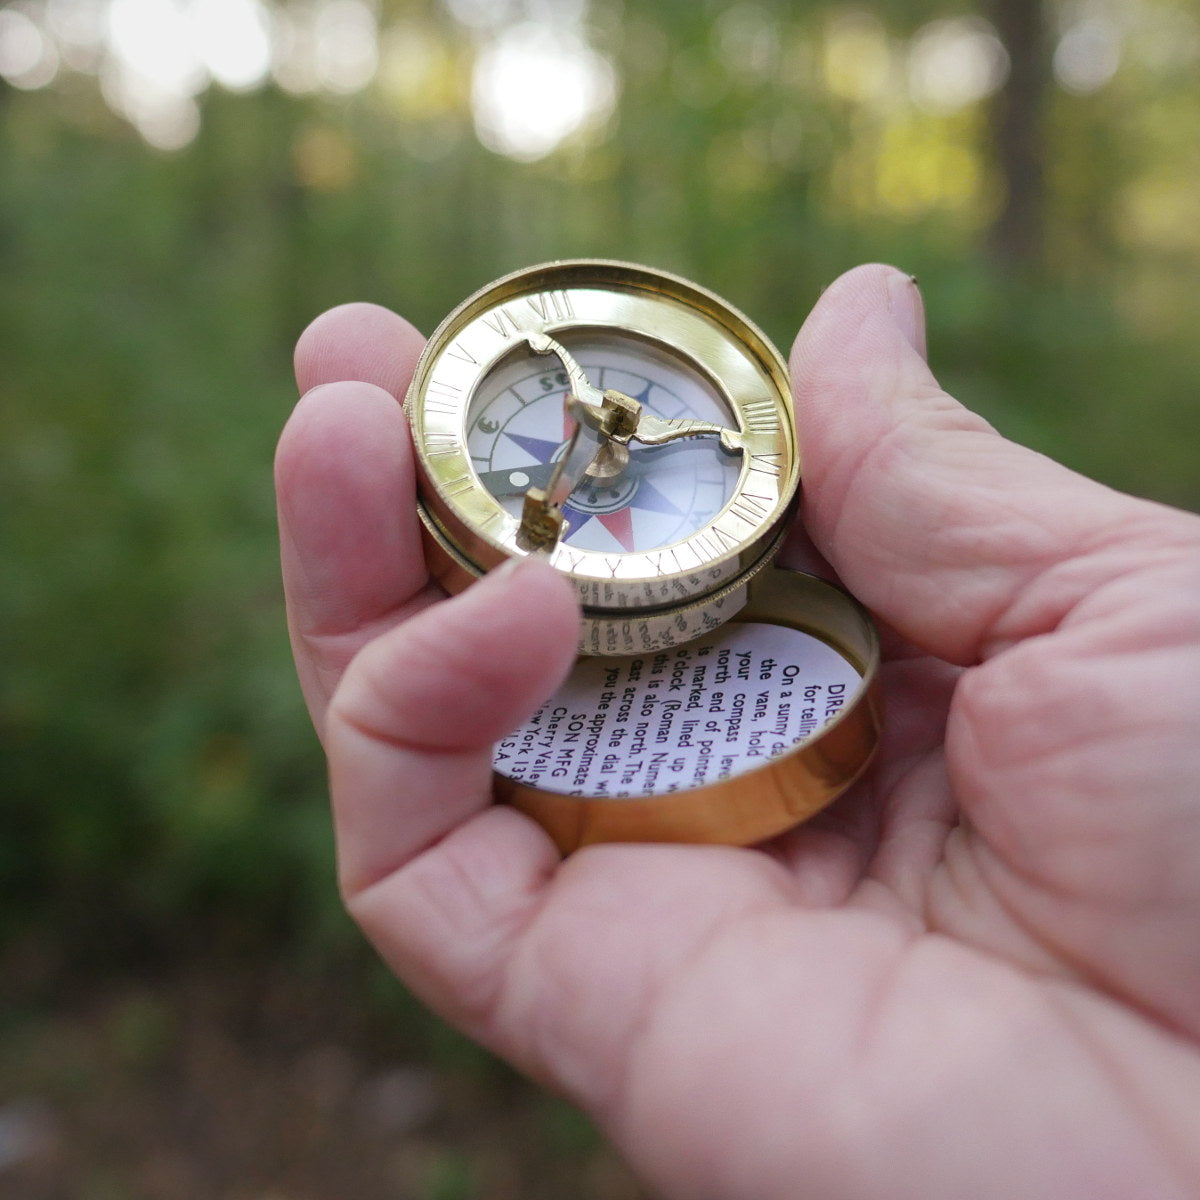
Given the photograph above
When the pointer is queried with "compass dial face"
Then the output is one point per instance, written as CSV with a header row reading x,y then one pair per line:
x,y
517,430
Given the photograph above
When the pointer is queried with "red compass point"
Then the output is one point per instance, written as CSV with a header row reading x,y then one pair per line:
x,y
620,525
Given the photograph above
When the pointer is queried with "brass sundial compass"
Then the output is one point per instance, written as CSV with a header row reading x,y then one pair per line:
x,y
637,431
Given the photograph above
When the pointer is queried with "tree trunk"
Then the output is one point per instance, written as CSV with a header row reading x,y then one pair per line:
x,y
1016,237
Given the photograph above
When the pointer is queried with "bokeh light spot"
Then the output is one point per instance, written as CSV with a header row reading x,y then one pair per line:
x,y
747,40
534,86
955,62
153,43
28,58
347,45
858,59
418,73
324,159
1087,56
234,40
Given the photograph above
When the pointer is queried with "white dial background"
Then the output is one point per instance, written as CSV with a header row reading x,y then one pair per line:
x,y
517,430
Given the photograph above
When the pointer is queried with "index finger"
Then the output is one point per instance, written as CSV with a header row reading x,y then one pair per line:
x,y
349,537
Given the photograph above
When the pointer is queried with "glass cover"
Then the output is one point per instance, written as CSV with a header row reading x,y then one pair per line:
x,y
518,429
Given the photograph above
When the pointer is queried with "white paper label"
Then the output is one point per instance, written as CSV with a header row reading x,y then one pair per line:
x,y
658,723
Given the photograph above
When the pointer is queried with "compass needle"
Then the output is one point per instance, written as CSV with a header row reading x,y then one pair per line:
x,y
654,431
581,388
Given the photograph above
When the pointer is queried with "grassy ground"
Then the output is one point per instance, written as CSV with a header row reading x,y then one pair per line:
x,y
244,1081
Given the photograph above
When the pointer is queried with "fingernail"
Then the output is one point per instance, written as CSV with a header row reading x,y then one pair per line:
x,y
904,300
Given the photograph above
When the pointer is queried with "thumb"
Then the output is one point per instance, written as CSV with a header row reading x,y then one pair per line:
x,y
929,516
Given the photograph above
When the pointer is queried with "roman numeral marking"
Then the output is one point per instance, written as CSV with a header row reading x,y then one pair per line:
x,y
761,416
440,445
459,351
570,558
501,321
458,485
712,543
660,559
767,464
442,397
554,306
750,508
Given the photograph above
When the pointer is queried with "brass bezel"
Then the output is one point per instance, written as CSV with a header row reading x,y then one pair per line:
x,y
620,299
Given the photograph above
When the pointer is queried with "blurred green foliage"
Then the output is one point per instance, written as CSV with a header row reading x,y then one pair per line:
x,y
159,775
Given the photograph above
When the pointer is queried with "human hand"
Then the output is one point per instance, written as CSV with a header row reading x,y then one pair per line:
x,y
976,975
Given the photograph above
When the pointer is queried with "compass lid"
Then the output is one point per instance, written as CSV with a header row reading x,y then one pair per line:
x,y
733,737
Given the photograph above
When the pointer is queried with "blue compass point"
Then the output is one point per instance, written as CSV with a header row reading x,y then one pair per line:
x,y
652,500
574,517
539,448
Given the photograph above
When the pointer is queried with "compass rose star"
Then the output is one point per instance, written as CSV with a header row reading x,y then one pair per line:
x,y
540,449
574,518
620,525
652,500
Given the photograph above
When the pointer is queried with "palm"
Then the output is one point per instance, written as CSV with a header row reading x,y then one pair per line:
x,y
976,975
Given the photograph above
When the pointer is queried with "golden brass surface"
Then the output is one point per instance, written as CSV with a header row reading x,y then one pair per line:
x,y
610,463
541,522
